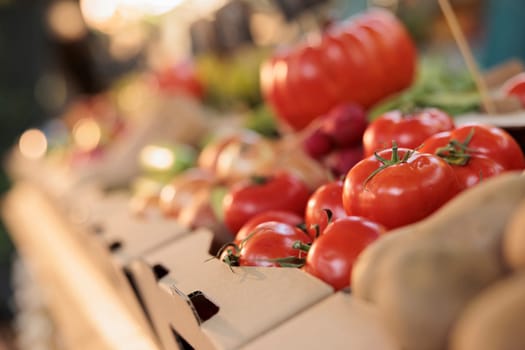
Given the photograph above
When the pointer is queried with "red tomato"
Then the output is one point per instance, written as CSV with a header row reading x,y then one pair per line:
x,y
282,95
282,191
470,166
336,60
271,241
390,73
402,49
328,196
356,89
362,60
491,141
375,66
515,86
281,216
311,90
399,187
332,256
409,130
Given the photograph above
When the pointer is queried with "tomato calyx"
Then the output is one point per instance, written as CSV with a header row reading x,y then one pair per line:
x,y
456,152
230,253
394,160
259,179
304,247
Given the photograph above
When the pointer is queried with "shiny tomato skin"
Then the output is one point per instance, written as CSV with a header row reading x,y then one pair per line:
x,y
409,130
332,255
387,61
281,216
477,168
282,191
493,142
337,64
402,49
312,90
375,69
352,62
357,68
328,196
400,194
272,240
490,141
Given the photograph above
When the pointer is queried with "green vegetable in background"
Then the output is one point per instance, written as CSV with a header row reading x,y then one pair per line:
x,y
437,85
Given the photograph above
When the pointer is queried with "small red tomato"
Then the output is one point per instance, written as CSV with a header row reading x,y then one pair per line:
x,y
470,166
270,242
281,216
281,191
398,187
332,256
408,130
515,86
328,196
479,139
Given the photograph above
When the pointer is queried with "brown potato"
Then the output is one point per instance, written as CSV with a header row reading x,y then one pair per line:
x,y
421,279
514,239
495,319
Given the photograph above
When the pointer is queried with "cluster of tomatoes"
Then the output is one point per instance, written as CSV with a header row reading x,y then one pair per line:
x,y
414,163
363,60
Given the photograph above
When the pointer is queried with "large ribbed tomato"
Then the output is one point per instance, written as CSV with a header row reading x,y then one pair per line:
x,y
398,187
361,60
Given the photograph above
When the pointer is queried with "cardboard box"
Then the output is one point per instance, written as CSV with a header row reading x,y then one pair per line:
x,y
338,322
191,296
109,219
74,268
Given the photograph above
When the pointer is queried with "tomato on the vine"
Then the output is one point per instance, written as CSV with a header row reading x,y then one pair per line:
x,y
470,166
282,216
281,191
409,130
272,244
332,256
327,197
398,187
492,142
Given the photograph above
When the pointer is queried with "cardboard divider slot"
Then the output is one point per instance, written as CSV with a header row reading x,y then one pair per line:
x,y
115,246
211,305
204,308
183,344
160,271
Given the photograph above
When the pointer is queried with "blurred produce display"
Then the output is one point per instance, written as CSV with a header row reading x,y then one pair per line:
x,y
298,137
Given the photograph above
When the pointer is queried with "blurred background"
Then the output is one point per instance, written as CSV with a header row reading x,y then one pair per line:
x,y
54,53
